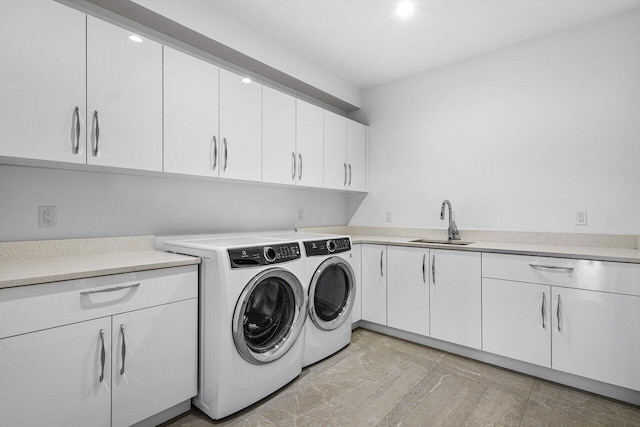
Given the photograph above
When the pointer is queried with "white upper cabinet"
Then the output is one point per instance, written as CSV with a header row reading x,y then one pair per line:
x,y
309,144
42,81
335,151
356,156
191,131
279,158
124,98
240,127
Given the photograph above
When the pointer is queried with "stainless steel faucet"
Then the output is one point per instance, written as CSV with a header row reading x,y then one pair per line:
x,y
452,231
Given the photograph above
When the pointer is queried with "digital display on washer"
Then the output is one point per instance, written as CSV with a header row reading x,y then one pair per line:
x,y
327,246
263,255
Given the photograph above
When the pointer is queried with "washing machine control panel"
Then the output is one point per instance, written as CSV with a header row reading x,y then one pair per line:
x,y
327,246
263,255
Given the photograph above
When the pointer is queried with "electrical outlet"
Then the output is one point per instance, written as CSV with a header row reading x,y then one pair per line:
x,y
581,217
387,217
47,216
300,215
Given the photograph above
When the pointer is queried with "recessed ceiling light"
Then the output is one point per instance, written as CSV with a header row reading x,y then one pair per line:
x,y
246,80
404,9
135,38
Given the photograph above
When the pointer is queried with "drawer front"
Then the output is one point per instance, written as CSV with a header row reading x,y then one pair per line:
x,y
615,277
31,308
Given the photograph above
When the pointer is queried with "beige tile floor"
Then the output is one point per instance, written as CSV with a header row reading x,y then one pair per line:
x,y
382,381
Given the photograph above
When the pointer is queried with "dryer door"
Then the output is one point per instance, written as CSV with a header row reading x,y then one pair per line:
x,y
331,294
269,316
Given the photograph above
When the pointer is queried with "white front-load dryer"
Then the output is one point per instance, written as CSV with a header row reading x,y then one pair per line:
x,y
253,308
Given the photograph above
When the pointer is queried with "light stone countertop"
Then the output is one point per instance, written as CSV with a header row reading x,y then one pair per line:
x,y
31,263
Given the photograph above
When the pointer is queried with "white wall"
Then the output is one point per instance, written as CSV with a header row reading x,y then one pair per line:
x,y
518,139
205,19
99,205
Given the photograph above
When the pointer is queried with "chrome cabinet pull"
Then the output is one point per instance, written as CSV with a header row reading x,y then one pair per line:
x,y
345,174
543,311
349,174
111,289
124,349
214,151
551,267
96,119
293,165
300,169
102,355
226,153
381,271
76,115
424,261
558,313
433,269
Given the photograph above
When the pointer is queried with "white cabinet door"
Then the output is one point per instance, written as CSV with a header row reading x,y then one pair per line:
x,y
155,360
190,115
309,144
516,320
596,335
124,98
356,264
335,151
356,156
456,297
52,377
374,283
42,81
240,127
278,137
408,289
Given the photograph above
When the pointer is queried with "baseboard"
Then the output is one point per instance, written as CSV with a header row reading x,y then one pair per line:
x,y
165,415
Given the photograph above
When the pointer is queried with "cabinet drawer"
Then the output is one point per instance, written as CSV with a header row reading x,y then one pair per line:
x,y
616,277
31,308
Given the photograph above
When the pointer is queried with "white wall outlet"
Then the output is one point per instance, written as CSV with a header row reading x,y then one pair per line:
x,y
300,215
48,216
387,217
581,217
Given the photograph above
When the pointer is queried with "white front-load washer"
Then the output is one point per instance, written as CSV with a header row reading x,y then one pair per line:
x,y
253,308
331,288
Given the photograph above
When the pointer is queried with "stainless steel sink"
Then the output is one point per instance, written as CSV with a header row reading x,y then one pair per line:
x,y
442,242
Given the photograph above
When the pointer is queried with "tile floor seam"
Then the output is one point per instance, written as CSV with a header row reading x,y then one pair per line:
x,y
526,404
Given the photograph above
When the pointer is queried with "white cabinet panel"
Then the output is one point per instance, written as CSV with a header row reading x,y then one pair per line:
x,y
279,159
124,88
335,151
42,81
596,335
310,144
356,264
408,289
52,377
374,283
516,320
356,156
160,360
191,129
456,297
240,127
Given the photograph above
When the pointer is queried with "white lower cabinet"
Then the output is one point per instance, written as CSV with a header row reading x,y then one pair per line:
x,y
408,289
356,264
455,293
516,320
374,284
596,335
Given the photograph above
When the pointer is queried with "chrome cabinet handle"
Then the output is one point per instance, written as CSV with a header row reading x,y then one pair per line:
x,y
76,115
96,119
124,349
558,313
551,267
111,289
433,269
300,170
226,153
349,174
102,355
293,165
214,151
381,271
544,311
345,174
424,261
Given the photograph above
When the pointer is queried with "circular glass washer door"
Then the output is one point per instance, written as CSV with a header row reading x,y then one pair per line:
x,y
331,294
269,316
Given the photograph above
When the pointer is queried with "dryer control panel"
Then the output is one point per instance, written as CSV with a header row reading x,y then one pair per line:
x,y
327,247
263,255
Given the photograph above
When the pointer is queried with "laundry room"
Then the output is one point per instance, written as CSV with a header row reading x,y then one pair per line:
x,y
343,213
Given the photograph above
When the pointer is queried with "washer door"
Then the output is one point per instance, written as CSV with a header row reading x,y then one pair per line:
x,y
269,316
331,294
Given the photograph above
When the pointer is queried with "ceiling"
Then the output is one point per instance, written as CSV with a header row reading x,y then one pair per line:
x,y
364,43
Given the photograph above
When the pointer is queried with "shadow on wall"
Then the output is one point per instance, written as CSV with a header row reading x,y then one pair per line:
x,y
354,201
